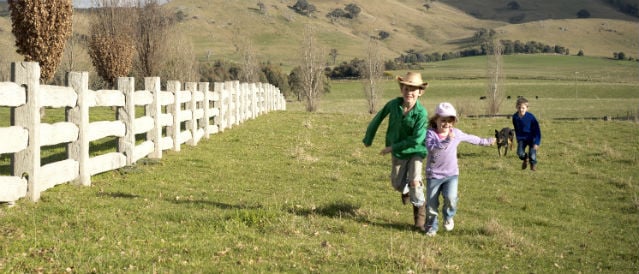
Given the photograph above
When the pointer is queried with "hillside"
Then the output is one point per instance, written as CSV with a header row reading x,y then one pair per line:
x,y
535,10
214,26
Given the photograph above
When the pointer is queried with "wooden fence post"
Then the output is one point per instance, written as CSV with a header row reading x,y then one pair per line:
x,y
265,102
154,109
253,100
244,99
206,108
228,105
79,115
219,105
192,125
174,109
236,102
259,93
26,163
126,114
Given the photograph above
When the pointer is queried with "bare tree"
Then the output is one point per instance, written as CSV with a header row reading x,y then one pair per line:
x,y
41,29
76,55
312,69
333,55
152,26
110,48
179,59
249,65
495,92
6,57
373,75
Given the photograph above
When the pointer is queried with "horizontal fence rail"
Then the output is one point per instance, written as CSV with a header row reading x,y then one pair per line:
x,y
183,114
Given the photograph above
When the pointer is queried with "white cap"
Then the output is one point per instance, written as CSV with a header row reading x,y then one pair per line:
x,y
446,109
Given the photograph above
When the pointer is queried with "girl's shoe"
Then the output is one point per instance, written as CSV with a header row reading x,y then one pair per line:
x,y
449,224
430,231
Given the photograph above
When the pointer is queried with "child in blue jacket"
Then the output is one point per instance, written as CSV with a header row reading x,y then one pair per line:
x,y
528,134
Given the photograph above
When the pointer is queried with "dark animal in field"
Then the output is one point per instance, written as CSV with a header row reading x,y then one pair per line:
x,y
505,138
482,97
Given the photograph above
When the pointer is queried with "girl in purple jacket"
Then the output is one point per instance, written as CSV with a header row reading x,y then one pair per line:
x,y
442,170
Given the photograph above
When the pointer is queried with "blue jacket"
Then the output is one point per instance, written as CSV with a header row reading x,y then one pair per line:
x,y
527,128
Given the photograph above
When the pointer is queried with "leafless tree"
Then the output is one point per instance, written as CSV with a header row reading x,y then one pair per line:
x,y
76,55
495,90
151,28
333,55
312,69
41,29
6,57
249,65
179,59
373,75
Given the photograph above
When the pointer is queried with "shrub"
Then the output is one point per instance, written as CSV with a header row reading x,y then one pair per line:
x,y
583,13
513,5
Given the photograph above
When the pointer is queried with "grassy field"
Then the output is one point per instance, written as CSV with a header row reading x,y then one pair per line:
x,y
297,192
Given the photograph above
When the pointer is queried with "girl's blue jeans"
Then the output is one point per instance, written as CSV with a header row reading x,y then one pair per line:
x,y
447,188
521,151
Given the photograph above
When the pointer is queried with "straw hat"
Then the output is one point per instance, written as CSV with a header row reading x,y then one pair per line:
x,y
412,79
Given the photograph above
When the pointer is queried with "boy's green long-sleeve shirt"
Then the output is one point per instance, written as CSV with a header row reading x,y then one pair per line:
x,y
406,134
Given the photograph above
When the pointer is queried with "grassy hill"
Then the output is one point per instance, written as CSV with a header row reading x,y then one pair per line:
x,y
276,34
215,27
532,10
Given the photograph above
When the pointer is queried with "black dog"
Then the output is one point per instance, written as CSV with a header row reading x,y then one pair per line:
x,y
504,139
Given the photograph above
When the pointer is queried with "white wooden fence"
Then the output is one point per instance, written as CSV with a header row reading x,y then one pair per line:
x,y
171,118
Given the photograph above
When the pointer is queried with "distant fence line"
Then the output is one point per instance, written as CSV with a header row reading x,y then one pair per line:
x,y
170,118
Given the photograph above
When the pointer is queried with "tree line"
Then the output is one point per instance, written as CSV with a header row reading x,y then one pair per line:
x,y
410,59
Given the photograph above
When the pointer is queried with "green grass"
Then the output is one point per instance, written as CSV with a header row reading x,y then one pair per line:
x,y
298,192
309,197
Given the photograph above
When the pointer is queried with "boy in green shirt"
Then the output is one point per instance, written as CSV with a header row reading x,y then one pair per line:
x,y
405,142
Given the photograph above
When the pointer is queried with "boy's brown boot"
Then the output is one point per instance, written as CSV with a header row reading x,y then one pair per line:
x,y
419,214
405,198
533,167
524,164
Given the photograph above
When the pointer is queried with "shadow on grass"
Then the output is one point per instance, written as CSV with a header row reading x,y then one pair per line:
x,y
211,203
396,226
336,210
344,210
118,194
333,210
